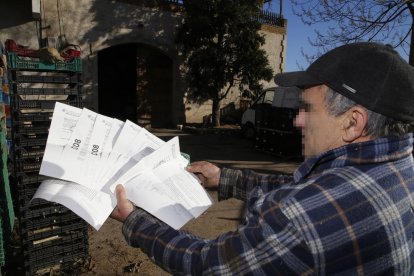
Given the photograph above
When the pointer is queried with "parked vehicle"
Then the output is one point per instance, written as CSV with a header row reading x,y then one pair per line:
x,y
269,120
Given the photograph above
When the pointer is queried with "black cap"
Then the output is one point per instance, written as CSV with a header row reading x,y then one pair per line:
x,y
371,74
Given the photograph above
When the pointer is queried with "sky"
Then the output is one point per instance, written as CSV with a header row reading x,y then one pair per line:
x,y
298,35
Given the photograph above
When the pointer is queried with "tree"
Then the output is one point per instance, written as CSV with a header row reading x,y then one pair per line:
x,y
221,45
349,21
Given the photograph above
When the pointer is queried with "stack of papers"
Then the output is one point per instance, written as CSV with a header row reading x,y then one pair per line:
x,y
88,154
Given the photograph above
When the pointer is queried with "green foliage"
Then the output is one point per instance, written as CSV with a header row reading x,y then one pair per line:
x,y
221,43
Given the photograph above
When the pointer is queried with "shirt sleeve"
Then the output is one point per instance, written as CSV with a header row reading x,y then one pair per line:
x,y
239,183
266,244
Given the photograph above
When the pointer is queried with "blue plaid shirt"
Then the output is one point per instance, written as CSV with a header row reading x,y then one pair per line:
x,y
347,211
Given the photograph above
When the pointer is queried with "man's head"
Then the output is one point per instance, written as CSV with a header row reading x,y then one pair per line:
x,y
329,120
366,91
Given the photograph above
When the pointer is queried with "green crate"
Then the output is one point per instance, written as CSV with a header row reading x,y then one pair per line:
x,y
2,252
16,62
6,205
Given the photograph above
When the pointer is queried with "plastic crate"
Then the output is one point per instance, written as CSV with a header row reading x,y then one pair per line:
x,y
33,227
8,122
40,104
56,78
2,251
7,110
26,152
5,98
28,163
39,212
16,62
43,265
30,154
23,142
59,253
73,238
30,135
31,129
26,193
27,166
55,230
30,178
19,125
26,201
19,117
6,198
12,46
6,203
46,91
53,220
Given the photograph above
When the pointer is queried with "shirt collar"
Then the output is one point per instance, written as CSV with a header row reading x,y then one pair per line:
x,y
384,149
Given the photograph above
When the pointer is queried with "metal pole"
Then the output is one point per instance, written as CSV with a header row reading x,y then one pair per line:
x,y
281,5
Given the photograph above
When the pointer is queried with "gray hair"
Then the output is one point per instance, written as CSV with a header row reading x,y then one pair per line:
x,y
377,126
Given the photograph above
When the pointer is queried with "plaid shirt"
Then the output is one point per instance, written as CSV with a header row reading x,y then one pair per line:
x,y
348,211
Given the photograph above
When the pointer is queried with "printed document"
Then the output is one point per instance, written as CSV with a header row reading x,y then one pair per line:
x,y
88,154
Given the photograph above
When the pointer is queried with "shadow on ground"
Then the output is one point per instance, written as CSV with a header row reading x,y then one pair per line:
x,y
228,148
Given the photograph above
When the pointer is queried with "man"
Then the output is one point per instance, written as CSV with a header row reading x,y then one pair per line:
x,y
347,209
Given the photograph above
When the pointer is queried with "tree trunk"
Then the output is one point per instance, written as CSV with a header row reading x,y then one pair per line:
x,y
215,113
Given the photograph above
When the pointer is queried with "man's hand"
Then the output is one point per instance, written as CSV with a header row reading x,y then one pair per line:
x,y
124,206
208,173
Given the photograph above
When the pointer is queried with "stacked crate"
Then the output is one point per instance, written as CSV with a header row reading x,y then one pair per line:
x,y
51,237
6,205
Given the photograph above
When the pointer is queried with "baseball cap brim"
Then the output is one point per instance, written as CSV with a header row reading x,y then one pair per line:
x,y
297,78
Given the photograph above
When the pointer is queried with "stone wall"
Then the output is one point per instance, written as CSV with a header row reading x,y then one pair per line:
x,y
95,25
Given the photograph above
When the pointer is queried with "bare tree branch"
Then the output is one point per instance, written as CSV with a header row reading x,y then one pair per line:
x,y
356,20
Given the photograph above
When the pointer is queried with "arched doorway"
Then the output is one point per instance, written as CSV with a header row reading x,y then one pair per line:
x,y
135,83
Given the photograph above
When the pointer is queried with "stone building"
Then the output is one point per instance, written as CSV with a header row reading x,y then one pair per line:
x,y
132,69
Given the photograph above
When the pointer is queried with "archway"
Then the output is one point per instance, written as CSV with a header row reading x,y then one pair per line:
x,y
135,83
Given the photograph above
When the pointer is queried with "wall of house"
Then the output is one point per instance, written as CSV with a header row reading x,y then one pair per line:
x,y
96,25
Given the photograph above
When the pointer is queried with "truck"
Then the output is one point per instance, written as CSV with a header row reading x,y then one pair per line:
x,y
269,121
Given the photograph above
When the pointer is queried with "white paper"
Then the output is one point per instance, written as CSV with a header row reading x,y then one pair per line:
x,y
73,157
147,145
106,151
64,120
159,181
94,153
179,183
100,134
142,191
167,152
120,150
92,206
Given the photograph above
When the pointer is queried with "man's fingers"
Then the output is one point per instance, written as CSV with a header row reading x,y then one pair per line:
x,y
201,177
124,206
199,166
194,168
120,194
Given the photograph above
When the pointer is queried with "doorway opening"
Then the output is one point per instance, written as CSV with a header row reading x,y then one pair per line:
x,y
136,84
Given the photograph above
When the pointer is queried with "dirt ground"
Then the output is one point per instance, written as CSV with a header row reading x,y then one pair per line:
x,y
109,253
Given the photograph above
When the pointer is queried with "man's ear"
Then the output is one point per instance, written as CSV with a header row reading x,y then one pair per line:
x,y
355,122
